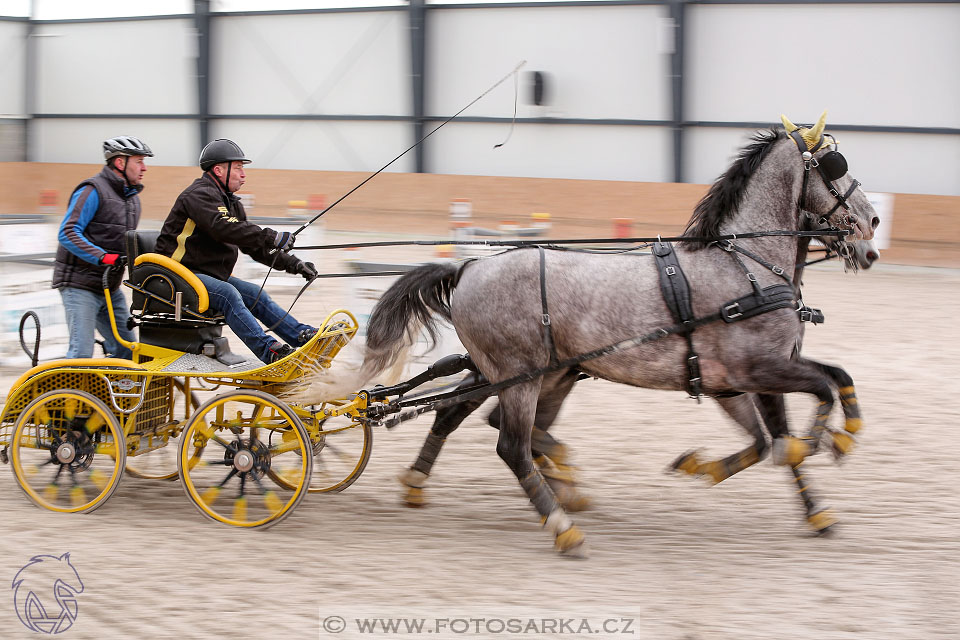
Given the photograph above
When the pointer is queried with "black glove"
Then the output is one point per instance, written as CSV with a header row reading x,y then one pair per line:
x,y
307,270
284,240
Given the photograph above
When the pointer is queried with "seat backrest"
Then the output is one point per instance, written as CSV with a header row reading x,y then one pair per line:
x,y
140,241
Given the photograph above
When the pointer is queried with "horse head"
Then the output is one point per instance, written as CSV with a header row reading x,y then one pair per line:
x,y
830,198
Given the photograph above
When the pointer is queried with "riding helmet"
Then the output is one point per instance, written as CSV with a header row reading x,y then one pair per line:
x,y
221,150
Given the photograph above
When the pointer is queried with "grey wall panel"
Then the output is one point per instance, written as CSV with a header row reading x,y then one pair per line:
x,y
544,151
320,144
871,64
79,140
116,67
12,59
324,63
601,62
875,159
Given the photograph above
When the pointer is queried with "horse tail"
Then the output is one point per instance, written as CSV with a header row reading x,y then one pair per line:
x,y
413,304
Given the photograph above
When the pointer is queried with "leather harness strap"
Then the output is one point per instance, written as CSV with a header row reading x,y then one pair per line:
x,y
545,315
676,293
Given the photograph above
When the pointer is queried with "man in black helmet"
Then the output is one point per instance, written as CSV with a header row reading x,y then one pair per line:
x,y
101,210
206,227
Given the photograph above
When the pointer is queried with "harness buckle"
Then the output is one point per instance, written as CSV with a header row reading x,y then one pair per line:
x,y
728,310
777,270
545,319
751,277
726,245
670,270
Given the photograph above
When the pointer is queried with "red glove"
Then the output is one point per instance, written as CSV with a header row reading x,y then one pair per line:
x,y
109,258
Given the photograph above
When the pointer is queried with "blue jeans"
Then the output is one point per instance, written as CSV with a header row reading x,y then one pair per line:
x,y
87,311
234,298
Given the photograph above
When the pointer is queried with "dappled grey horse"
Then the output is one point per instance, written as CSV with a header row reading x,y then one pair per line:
x,y
553,458
742,335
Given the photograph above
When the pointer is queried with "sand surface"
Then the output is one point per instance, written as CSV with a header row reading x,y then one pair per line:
x,y
670,557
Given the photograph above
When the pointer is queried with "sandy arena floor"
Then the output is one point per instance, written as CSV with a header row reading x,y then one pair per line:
x,y
670,558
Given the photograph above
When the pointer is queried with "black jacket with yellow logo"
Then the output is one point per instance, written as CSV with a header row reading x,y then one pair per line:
x,y
205,228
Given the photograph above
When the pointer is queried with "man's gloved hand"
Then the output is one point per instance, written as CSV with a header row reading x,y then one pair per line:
x,y
284,240
113,260
307,270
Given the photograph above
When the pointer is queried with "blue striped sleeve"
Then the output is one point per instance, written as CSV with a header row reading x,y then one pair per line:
x,y
83,206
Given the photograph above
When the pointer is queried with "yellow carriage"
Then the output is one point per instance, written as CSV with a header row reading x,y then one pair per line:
x,y
245,455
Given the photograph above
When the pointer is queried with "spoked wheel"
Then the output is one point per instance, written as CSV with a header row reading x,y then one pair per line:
x,y
231,451
67,451
161,463
341,451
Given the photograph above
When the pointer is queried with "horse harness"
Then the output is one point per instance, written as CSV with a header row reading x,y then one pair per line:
x,y
676,294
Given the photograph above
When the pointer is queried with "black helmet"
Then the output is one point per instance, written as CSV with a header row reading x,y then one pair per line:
x,y
124,146
221,150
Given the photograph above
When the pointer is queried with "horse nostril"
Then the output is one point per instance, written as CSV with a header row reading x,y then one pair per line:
x,y
872,255
875,222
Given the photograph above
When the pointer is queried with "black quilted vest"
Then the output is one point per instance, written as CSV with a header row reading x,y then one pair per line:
x,y
114,217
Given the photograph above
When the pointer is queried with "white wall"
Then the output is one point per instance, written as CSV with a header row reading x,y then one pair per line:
x,y
116,67
174,142
326,63
319,144
871,64
594,152
600,62
12,60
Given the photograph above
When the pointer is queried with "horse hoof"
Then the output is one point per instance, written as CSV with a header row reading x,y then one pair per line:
x,y
571,543
822,522
841,443
413,482
686,463
414,498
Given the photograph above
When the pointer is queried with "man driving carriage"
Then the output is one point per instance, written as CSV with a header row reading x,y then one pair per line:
x,y
204,231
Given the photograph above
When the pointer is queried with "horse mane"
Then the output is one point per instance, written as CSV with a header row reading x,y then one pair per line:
x,y
723,199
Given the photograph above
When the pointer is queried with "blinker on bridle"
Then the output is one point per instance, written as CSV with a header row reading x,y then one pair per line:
x,y
831,166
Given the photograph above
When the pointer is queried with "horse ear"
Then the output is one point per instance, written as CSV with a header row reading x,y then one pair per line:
x,y
789,126
813,135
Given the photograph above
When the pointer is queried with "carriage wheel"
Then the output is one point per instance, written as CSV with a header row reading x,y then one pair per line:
x,y
67,451
340,454
231,450
161,464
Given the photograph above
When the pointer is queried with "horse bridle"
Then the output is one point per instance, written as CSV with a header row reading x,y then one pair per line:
x,y
831,167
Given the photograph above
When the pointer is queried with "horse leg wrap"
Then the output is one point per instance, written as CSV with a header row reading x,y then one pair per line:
x,y
562,480
414,482
819,518
567,536
791,451
541,496
851,409
428,453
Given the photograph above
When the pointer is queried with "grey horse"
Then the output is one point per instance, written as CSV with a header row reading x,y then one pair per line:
x,y
786,180
554,459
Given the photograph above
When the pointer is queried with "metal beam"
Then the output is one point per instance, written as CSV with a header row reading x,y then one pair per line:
x,y
202,21
677,13
30,88
418,15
